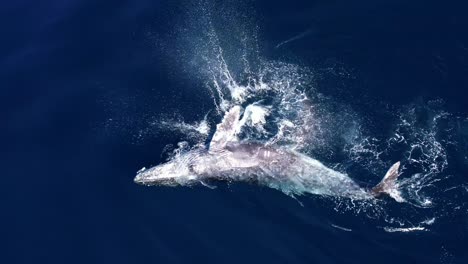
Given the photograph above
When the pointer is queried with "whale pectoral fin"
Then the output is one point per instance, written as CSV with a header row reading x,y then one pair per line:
x,y
226,131
388,184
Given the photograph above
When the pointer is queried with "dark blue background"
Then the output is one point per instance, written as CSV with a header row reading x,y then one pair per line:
x,y
67,188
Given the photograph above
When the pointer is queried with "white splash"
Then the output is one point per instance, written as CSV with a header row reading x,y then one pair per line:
x,y
429,221
283,108
198,130
255,116
404,229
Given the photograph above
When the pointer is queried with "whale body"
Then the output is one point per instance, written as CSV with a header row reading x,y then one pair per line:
x,y
230,159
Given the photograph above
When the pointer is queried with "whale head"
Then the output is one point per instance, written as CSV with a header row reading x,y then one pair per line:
x,y
181,170
165,174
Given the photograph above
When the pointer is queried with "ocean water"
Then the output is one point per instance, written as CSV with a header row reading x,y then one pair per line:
x,y
94,91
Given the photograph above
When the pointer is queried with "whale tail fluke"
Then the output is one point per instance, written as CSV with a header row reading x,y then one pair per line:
x,y
388,184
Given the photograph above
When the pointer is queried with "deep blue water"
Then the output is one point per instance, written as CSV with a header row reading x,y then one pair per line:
x,y
80,79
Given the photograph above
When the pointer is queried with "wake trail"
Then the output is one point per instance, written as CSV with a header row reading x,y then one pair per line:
x,y
296,37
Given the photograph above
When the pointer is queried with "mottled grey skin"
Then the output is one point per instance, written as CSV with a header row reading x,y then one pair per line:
x,y
283,169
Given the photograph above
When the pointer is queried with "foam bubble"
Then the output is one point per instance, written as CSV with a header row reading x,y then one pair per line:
x,y
404,229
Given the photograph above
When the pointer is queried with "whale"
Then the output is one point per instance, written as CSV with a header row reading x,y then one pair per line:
x,y
227,158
